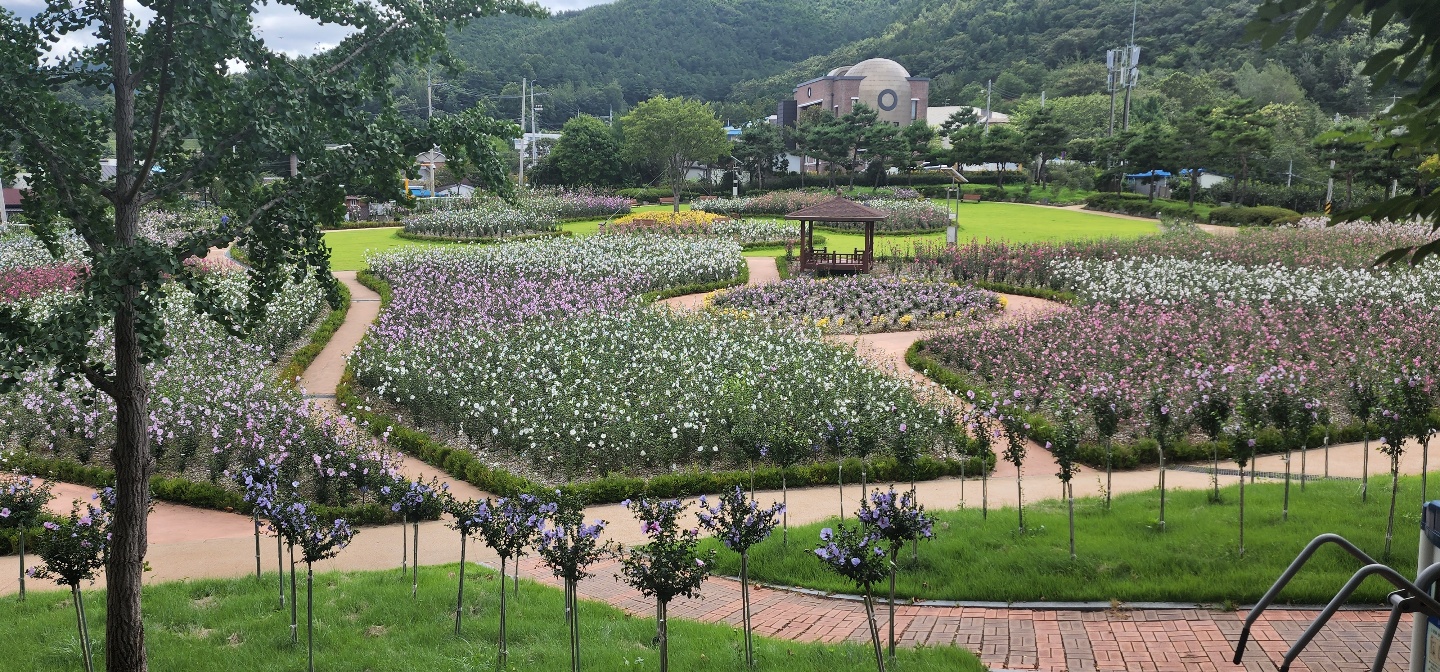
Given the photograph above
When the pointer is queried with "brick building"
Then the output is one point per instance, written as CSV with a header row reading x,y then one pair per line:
x,y
880,83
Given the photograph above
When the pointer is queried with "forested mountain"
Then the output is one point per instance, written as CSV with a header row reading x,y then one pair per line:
x,y
1058,46
618,54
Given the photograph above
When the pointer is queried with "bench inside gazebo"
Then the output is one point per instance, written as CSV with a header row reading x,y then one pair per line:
x,y
836,210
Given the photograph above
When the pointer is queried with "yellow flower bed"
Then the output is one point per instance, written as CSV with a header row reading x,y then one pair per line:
x,y
683,218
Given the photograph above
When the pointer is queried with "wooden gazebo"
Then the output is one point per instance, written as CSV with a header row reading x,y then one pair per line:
x,y
836,210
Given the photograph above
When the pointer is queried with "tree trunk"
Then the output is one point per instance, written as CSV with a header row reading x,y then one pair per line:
x,y
874,631
1162,487
984,488
1214,471
460,596
1109,452
256,518
125,563
1242,508
280,567
1304,452
294,605
745,607
504,652
84,629
22,563
415,561
891,619
310,614
1020,497
1285,505
1070,491
1394,492
1365,470
404,548
840,483
1194,185
662,633
784,510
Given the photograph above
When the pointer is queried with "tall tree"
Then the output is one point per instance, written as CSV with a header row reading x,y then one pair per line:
x,y
1243,133
1043,138
673,132
917,138
199,94
1151,149
761,150
587,153
1412,126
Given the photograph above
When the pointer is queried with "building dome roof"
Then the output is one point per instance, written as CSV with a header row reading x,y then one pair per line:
x,y
884,68
838,72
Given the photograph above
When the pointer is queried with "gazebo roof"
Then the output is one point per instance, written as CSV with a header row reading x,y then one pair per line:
x,y
838,210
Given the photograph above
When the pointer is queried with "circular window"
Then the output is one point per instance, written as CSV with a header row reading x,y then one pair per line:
x,y
888,100
809,92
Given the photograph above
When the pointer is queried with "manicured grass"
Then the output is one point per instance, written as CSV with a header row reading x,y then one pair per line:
x,y
999,221
1120,553
367,621
348,248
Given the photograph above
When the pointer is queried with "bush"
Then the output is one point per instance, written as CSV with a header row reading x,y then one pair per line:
x,y
1138,206
1265,215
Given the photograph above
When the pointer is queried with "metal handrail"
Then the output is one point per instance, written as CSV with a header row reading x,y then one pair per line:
x,y
1411,598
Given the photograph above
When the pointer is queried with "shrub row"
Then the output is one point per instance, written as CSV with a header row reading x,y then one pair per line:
x,y
742,276
481,240
181,491
1138,206
1142,452
369,224
1265,215
1057,295
305,356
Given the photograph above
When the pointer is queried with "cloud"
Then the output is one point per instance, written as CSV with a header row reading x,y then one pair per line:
x,y
282,28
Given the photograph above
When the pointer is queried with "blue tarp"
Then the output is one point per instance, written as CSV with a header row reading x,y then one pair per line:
x,y
1148,174
420,192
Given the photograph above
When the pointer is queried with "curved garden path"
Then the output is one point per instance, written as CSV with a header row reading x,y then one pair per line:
x,y
187,543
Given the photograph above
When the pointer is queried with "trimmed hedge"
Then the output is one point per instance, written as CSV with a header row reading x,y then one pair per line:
x,y
1137,205
1264,215
305,356
1140,452
372,224
181,491
479,241
1057,295
742,276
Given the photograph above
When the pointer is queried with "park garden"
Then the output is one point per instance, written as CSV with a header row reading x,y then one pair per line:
x,y
1204,353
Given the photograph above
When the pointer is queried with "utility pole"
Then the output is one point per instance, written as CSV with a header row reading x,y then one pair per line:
x,y
1330,186
523,84
4,214
1112,70
294,165
989,83
429,95
534,127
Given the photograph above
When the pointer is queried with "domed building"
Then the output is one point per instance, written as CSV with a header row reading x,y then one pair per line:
x,y
879,83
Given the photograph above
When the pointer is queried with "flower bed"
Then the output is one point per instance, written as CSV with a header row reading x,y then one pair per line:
x,y
28,283
864,303
906,215
1132,350
1166,281
1311,244
214,405
636,263
748,232
611,387
683,219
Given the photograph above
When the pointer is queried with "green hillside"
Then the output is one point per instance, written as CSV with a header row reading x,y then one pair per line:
x,y
621,53
1058,46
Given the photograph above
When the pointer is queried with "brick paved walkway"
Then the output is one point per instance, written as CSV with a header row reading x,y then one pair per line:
x,y
1025,639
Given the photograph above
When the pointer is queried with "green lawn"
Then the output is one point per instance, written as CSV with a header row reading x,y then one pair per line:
x,y
1000,221
348,248
1121,555
367,621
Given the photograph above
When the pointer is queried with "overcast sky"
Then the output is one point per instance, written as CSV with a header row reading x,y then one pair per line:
x,y
280,27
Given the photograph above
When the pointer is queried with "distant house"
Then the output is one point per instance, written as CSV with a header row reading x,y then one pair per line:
x,y
13,200
937,116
